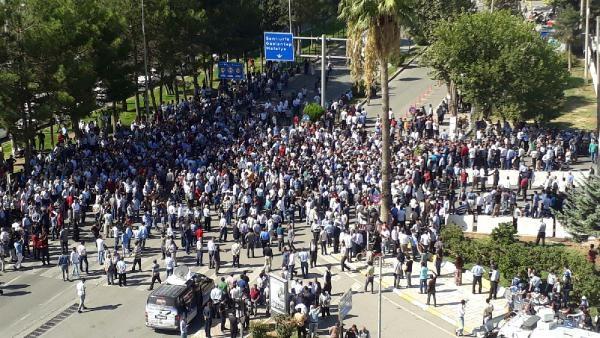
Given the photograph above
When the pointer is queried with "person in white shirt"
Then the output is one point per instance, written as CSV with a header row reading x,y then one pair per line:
x,y
292,263
235,252
211,248
100,246
461,318
81,295
122,272
81,250
494,280
169,265
74,258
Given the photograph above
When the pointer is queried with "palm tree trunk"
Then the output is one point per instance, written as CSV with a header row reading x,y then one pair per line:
x,y
386,189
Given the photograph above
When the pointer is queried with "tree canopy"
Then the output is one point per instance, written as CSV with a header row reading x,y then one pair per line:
x,y
499,63
427,13
580,215
56,54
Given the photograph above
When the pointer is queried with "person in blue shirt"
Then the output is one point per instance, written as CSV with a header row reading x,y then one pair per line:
x,y
142,235
423,273
126,239
264,237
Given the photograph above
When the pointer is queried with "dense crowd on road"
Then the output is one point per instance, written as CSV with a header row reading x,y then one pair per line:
x,y
259,168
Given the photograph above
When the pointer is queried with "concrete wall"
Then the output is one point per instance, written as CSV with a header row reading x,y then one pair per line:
x,y
526,226
538,177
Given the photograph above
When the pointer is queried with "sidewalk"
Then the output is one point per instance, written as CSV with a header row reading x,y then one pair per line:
x,y
448,294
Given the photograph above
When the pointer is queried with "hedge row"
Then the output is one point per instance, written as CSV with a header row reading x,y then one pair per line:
x,y
513,258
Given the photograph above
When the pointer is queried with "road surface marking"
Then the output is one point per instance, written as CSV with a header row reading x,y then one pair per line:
x,y
12,280
420,317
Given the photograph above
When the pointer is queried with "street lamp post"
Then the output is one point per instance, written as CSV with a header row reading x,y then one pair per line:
x,y
145,65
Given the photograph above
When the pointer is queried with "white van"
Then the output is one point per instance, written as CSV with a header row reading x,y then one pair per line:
x,y
177,297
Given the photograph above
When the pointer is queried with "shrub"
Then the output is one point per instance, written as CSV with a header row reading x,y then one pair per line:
x,y
505,233
284,326
259,329
314,111
514,257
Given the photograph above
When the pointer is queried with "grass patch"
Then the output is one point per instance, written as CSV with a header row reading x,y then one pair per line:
x,y
579,109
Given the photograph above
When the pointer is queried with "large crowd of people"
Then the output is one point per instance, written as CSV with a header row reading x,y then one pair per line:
x,y
247,156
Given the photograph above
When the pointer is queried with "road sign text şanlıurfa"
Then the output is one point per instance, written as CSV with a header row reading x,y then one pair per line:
x,y
279,46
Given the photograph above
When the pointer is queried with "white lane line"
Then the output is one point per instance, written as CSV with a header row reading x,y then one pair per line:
x,y
12,280
420,317
25,316
57,295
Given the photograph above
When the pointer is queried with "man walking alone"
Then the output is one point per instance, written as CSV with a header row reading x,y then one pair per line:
x,y
81,295
155,274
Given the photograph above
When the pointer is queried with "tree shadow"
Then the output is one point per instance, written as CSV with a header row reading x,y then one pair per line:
x,y
574,102
574,82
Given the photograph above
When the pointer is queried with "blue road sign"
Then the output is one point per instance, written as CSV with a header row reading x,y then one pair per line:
x,y
231,71
279,46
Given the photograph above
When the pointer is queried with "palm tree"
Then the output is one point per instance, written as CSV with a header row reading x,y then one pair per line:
x,y
373,28
566,28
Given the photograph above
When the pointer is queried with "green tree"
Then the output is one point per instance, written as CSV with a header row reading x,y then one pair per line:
x,y
499,63
567,29
29,73
381,21
580,214
511,5
113,63
79,24
429,12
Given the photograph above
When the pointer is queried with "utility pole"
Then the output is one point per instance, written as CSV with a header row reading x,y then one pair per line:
x,y
146,103
379,303
290,14
323,70
587,39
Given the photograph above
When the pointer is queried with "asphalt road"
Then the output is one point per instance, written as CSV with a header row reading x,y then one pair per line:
x,y
412,87
37,300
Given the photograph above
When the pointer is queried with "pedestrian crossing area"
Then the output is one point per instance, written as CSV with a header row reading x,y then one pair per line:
x,y
139,280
